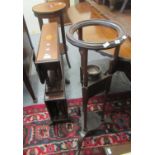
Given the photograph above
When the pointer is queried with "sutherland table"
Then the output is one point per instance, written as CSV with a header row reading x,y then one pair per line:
x,y
49,65
51,10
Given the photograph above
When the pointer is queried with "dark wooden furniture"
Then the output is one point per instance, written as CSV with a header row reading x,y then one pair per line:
x,y
28,57
120,55
97,34
50,69
92,88
85,11
51,10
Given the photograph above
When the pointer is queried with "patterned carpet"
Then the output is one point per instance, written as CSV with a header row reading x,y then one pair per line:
x,y
62,139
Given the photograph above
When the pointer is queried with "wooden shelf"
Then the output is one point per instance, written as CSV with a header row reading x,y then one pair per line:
x,y
57,110
55,93
50,68
98,80
97,86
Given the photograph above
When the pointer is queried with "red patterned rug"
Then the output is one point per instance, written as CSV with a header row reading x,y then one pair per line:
x,y
41,139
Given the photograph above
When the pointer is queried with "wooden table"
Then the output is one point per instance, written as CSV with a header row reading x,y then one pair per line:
x,y
50,69
97,34
51,10
84,11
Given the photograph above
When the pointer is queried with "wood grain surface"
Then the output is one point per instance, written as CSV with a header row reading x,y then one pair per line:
x,y
49,42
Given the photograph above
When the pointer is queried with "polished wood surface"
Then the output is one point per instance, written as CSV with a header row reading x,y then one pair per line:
x,y
49,43
49,7
84,11
66,19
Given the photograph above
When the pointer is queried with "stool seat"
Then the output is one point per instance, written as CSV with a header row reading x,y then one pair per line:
x,y
49,7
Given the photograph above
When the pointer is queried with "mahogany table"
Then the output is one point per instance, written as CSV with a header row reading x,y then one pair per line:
x,y
49,65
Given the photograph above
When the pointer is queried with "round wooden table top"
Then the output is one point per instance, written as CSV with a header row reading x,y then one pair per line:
x,y
48,7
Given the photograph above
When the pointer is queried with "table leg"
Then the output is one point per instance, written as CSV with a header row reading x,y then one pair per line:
x,y
40,23
85,101
84,53
114,62
28,86
84,67
81,69
80,38
64,39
